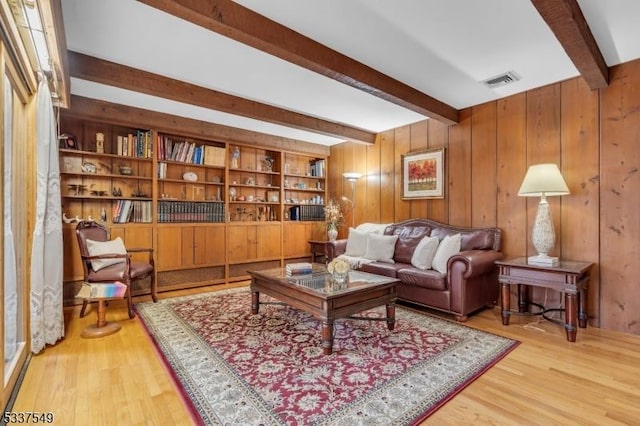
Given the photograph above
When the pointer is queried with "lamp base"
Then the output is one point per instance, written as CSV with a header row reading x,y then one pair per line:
x,y
543,260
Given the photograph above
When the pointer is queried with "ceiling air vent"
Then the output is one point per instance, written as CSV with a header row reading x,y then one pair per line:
x,y
501,80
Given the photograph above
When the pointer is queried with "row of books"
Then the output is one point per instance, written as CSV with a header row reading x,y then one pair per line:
x,y
139,145
102,290
131,211
190,152
302,268
307,212
317,168
191,211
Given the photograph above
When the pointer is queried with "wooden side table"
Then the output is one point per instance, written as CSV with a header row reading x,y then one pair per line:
x,y
569,277
318,249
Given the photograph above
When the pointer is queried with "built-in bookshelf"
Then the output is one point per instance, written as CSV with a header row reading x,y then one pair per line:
x,y
210,209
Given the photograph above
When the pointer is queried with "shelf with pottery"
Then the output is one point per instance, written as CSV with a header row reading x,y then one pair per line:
x,y
254,185
97,185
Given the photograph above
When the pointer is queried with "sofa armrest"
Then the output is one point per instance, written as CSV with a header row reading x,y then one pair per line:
x,y
335,249
475,262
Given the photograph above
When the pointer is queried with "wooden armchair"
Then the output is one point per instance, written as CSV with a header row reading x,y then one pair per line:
x,y
105,266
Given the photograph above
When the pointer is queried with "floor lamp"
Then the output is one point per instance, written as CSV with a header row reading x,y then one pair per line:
x,y
352,177
543,180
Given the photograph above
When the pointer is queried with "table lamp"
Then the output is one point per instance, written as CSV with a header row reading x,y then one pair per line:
x,y
543,180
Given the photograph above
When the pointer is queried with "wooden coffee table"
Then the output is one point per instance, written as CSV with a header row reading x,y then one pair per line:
x,y
319,296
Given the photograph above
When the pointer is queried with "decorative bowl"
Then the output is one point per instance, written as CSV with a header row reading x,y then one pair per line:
x,y
125,170
190,176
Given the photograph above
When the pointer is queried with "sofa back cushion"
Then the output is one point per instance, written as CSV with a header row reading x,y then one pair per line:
x,y
480,239
356,243
408,238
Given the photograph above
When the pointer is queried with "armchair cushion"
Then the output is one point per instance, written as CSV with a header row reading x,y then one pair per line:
x,y
449,246
381,247
98,248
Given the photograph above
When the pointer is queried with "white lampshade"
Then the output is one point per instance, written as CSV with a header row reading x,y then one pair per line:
x,y
543,179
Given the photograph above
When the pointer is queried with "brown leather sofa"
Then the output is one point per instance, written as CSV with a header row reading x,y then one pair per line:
x,y
471,281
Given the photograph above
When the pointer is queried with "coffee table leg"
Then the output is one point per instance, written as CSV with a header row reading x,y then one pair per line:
x,y
327,337
391,316
255,302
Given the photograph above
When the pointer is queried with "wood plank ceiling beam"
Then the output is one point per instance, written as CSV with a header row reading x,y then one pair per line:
x,y
246,26
566,20
106,72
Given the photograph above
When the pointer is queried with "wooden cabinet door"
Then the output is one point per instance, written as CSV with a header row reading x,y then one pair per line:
x,y
209,245
241,244
139,237
169,255
295,239
268,241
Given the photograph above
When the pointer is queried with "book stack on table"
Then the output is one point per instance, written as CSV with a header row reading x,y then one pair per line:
x,y
294,269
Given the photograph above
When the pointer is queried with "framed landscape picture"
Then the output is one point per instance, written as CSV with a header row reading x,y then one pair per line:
x,y
423,174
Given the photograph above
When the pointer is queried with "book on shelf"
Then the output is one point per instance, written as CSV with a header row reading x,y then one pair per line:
x,y
214,156
105,290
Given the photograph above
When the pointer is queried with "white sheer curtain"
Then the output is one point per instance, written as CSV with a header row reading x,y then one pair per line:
x,y
47,319
10,274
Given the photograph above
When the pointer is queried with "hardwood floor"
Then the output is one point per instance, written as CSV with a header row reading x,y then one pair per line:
x,y
119,379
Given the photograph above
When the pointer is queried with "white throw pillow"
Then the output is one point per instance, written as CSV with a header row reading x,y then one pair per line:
x,y
356,243
97,248
424,253
375,228
449,246
381,247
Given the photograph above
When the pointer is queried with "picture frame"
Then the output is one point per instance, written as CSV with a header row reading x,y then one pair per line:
x,y
423,174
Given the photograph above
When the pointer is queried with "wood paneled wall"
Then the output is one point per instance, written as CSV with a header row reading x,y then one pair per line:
x,y
594,136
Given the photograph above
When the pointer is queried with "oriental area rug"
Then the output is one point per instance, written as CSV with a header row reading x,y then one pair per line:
x,y
236,368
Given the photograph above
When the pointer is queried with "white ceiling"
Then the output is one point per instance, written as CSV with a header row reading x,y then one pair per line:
x,y
442,48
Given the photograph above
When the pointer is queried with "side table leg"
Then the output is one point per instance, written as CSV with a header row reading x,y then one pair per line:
x,y
571,316
327,336
582,309
523,298
506,304
391,316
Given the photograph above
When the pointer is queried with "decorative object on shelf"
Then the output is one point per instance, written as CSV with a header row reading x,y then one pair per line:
x,y
116,192
103,215
339,270
268,164
125,170
67,219
88,167
249,197
249,181
77,188
100,143
543,180
235,158
273,196
232,194
190,177
67,141
98,193
333,218
423,174
216,179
